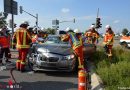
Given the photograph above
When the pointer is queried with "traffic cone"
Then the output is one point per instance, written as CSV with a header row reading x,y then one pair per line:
x,y
82,82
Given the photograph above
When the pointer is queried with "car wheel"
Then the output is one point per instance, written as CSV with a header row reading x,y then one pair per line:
x,y
124,44
31,63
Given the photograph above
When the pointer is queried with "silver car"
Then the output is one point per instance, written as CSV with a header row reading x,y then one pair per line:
x,y
53,55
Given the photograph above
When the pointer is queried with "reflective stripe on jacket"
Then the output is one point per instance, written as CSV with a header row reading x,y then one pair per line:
x,y
75,41
21,38
108,39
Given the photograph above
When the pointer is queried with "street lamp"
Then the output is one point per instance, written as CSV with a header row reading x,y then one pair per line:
x,y
36,17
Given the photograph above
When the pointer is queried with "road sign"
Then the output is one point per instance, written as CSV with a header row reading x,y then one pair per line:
x,y
10,6
55,22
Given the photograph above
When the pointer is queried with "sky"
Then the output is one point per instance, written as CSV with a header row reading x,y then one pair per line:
x,y
116,13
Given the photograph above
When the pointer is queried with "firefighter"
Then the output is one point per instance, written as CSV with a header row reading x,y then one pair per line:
x,y
88,36
76,45
92,35
22,40
4,44
108,40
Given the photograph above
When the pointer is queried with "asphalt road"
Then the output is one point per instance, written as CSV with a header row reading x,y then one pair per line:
x,y
39,80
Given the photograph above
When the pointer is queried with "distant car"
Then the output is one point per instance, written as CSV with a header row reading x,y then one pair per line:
x,y
56,55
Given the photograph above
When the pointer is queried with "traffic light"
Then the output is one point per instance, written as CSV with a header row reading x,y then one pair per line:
x,y
21,9
98,23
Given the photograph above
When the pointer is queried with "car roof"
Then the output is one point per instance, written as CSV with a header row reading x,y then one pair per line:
x,y
54,36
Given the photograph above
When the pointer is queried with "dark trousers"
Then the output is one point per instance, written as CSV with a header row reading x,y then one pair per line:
x,y
6,51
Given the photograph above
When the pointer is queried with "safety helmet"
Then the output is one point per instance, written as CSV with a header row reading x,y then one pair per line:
x,y
34,28
67,29
25,22
42,28
92,26
76,30
108,26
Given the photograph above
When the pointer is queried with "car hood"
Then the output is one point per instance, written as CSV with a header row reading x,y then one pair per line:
x,y
61,49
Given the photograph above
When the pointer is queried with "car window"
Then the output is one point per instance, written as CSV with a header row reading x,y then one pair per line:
x,y
55,40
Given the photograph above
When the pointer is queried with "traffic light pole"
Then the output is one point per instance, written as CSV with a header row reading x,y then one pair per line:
x,y
96,22
68,21
12,16
98,13
32,16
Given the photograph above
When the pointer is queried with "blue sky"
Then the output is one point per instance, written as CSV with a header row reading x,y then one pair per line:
x,y
113,12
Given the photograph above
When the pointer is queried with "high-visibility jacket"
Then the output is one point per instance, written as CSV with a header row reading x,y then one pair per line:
x,y
88,36
95,34
108,39
21,38
4,42
75,41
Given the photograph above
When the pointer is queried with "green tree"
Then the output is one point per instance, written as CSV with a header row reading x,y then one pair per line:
x,y
50,31
3,19
125,31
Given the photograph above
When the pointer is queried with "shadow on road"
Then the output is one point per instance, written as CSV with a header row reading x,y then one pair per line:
x,y
4,77
60,74
48,85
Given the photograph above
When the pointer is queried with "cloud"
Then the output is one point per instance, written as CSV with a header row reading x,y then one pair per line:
x,y
65,10
116,21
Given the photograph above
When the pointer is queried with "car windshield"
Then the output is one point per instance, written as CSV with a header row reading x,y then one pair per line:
x,y
55,40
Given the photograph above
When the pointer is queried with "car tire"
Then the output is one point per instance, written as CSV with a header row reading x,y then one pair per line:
x,y
124,45
30,64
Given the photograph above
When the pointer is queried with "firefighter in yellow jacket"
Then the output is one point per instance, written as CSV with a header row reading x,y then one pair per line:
x,y
22,40
108,40
76,44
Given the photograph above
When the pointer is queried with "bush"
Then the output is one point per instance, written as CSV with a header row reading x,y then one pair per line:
x,y
114,73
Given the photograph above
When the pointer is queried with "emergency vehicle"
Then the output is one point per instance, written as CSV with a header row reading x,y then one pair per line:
x,y
125,40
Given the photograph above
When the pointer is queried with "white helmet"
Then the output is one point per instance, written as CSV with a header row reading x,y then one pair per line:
x,y
108,26
76,30
25,22
42,29
34,28
67,29
92,26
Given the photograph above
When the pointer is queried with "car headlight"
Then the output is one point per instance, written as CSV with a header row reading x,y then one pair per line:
x,y
69,57
41,57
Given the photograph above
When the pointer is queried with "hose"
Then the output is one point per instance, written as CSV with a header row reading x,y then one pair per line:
x,y
11,73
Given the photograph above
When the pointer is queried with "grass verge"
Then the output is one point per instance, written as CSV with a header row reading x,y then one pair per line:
x,y
115,73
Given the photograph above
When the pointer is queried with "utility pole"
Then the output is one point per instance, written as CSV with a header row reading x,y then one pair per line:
x,y
12,16
98,13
